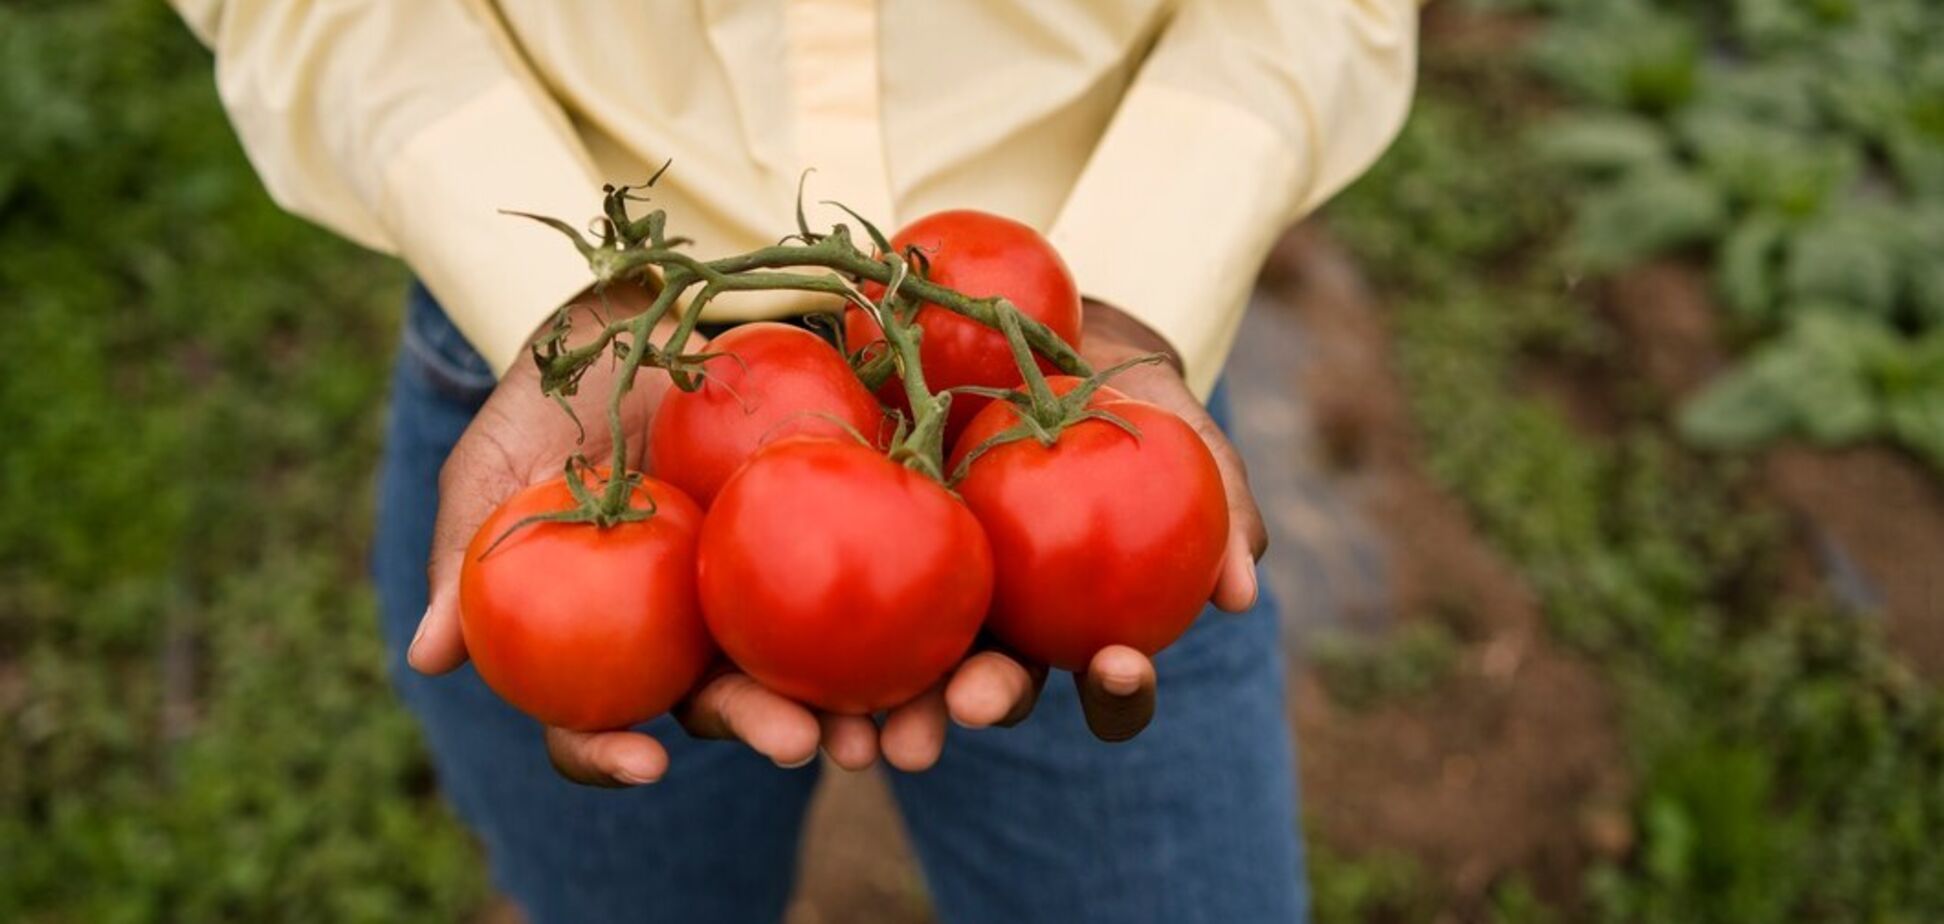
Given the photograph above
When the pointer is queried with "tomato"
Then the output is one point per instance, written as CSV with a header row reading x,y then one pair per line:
x,y
581,626
773,381
839,578
980,255
1103,538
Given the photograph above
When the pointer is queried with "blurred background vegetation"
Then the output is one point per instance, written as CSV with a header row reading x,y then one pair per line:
x,y
194,719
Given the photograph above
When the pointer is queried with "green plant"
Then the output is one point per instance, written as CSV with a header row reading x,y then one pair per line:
x,y
1786,760
1361,672
1373,888
1805,156
194,718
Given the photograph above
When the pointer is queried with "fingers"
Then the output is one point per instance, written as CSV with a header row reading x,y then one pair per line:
x,y
851,741
735,706
1117,693
914,733
1113,335
1236,588
617,758
993,688
518,437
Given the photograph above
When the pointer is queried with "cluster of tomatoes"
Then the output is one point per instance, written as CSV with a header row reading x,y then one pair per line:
x,y
786,539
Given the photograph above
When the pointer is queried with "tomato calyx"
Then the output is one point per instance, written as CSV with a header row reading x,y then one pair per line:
x,y
874,363
1044,415
591,507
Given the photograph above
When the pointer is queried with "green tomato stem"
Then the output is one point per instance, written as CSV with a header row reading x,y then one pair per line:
x,y
631,249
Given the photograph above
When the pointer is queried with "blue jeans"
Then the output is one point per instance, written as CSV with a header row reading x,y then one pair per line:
x,y
1195,820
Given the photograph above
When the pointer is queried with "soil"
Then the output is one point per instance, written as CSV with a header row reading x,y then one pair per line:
x,y
1513,763
1867,520
1878,521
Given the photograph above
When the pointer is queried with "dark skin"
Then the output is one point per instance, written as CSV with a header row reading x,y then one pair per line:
x,y
519,438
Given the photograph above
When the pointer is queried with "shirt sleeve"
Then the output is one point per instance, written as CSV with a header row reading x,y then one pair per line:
x,y
406,126
1245,115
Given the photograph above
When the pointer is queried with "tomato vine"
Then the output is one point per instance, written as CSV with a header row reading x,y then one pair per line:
x,y
627,249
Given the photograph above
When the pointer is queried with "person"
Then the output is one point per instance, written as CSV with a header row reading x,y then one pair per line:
x,y
1162,146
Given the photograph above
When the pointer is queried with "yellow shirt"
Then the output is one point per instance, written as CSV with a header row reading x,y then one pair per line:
x,y
1161,145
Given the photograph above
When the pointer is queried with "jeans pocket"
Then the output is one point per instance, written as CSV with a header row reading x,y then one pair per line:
x,y
439,355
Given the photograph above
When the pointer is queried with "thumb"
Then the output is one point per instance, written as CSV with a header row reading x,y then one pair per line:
x,y
470,485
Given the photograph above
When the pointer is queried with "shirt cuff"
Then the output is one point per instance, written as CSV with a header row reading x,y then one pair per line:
x,y
498,276
1174,214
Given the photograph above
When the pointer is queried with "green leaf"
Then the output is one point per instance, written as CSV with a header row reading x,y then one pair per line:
x,y
1847,258
1601,143
1768,165
1746,406
1837,409
1625,54
1819,380
1837,339
1918,161
1917,421
1911,367
1748,266
1645,213
1777,91
1923,264
1772,25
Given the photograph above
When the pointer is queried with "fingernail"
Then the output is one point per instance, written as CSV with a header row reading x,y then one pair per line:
x,y
1243,568
1120,684
636,774
805,762
412,649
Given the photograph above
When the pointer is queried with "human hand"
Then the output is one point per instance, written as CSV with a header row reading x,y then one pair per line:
x,y
1117,691
519,438
1113,336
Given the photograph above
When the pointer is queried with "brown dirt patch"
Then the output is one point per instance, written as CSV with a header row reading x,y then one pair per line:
x,y
1869,521
1666,316
1885,515
1514,763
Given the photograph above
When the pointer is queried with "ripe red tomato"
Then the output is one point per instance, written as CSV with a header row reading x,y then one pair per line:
x,y
1102,538
585,627
979,254
839,578
776,381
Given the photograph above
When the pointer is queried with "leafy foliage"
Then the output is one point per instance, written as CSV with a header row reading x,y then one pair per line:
x,y
1801,143
194,718
1379,886
1784,757
1361,672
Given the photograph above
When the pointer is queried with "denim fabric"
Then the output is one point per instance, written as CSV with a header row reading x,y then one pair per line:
x,y
1193,821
